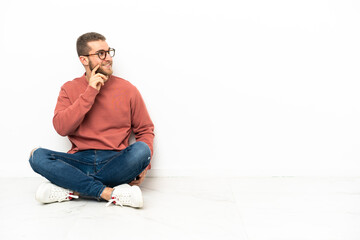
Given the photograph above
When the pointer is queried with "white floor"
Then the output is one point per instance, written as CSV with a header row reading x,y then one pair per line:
x,y
193,208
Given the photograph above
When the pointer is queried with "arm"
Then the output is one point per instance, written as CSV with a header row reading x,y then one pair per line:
x,y
141,123
68,116
143,129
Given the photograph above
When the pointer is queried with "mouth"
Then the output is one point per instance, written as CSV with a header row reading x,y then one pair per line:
x,y
107,65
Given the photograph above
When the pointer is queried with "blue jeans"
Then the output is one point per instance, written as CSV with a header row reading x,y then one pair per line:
x,y
88,172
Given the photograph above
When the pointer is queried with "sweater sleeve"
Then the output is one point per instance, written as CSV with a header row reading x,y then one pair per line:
x,y
68,115
141,123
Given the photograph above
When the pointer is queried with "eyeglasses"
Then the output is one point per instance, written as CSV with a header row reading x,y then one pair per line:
x,y
102,53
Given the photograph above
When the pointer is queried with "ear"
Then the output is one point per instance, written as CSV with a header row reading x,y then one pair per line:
x,y
84,60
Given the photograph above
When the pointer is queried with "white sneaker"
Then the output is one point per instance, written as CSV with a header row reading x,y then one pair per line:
x,y
126,195
49,193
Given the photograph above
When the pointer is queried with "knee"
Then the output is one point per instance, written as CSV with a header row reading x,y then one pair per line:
x,y
143,152
32,152
143,149
35,157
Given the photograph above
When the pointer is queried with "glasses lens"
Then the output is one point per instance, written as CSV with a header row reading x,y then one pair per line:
x,y
112,52
102,55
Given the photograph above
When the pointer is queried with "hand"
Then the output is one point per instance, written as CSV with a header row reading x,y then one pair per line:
x,y
97,80
139,178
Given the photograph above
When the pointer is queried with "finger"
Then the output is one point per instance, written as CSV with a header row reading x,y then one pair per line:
x,y
98,86
102,76
99,81
93,72
143,172
134,183
141,179
98,77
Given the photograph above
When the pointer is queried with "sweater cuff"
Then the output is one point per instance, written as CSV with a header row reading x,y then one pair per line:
x,y
90,93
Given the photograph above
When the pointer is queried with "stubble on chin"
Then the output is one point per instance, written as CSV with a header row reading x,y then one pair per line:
x,y
100,70
106,73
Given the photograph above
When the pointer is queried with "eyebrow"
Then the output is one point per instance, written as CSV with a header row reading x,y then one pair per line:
x,y
102,50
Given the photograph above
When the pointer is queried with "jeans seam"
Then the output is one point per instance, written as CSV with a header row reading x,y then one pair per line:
x,y
94,164
107,162
57,156
69,165
103,187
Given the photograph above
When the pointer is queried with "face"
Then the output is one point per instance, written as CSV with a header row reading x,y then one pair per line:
x,y
106,64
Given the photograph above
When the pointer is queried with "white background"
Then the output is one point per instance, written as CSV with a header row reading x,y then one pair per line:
x,y
234,88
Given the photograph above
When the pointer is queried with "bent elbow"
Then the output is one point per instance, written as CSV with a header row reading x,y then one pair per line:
x,y
59,128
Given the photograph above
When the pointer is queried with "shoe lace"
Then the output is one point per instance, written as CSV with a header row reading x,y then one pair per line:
x,y
60,195
121,198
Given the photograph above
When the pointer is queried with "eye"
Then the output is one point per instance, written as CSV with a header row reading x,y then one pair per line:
x,y
102,54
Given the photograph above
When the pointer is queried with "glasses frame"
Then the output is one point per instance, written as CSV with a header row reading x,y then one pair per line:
x,y
100,51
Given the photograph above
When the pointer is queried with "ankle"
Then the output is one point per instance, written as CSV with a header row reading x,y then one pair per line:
x,y
106,194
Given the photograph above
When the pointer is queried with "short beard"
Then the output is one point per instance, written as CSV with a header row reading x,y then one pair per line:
x,y
99,70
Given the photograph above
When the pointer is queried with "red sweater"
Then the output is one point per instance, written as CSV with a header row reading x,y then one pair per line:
x,y
102,119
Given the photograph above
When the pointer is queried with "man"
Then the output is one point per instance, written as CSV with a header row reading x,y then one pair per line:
x,y
97,112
